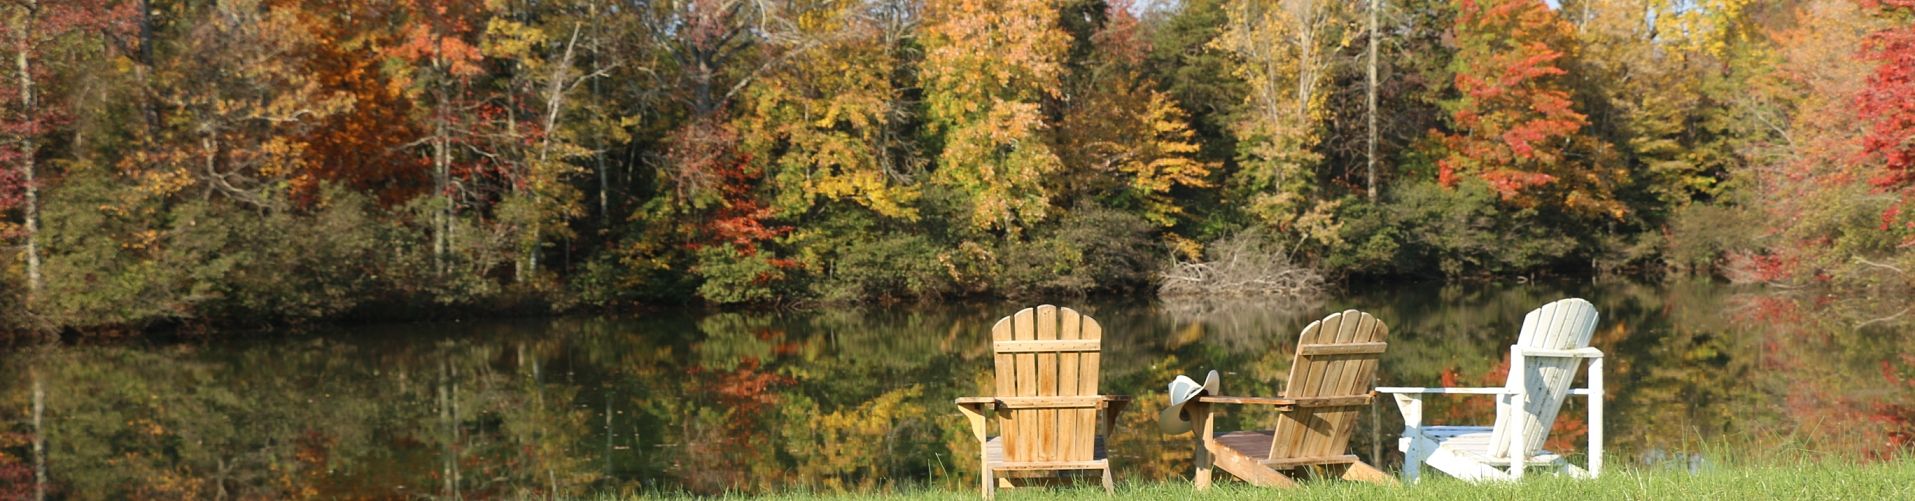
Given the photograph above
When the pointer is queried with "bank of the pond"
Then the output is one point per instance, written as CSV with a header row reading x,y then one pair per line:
x,y
1807,480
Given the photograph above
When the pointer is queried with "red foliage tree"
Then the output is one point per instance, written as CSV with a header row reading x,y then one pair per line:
x,y
1513,123
1888,105
709,164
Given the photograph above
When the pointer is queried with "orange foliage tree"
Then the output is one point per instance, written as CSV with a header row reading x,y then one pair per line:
x,y
1515,124
366,146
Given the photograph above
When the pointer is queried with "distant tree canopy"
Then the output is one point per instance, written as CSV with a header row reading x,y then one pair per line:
x,y
266,161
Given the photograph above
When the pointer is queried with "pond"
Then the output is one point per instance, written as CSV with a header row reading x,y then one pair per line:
x,y
860,399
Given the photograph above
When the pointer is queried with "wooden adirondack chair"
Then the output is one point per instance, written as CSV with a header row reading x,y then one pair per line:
x,y
1554,340
1046,405
1330,382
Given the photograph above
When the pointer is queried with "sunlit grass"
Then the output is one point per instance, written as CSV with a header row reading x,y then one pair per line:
x,y
1788,480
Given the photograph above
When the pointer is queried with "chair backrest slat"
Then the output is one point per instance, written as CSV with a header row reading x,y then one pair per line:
x,y
1336,358
1562,325
1047,352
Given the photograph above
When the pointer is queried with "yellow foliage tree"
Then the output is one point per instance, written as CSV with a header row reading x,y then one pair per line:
x,y
988,66
1127,141
825,125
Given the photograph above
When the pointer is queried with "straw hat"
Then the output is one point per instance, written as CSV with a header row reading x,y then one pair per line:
x,y
1183,390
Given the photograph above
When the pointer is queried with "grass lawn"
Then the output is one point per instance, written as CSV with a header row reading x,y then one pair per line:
x,y
1819,480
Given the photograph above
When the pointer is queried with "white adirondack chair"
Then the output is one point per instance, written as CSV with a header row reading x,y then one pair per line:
x,y
1554,340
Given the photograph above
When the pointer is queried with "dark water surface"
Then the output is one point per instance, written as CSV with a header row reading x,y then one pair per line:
x,y
860,399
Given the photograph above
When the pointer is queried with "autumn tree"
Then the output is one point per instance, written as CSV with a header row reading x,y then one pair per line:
x,y
989,65
236,134
1888,105
1798,131
1285,52
829,124
539,198
368,147
714,57
1514,125
437,56
38,35
1658,88
1181,60
1129,144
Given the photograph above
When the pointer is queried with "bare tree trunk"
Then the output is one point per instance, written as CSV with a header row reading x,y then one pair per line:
x,y
441,179
554,103
598,149
28,149
1370,160
39,436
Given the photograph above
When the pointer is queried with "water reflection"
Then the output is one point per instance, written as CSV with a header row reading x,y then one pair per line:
x,y
859,399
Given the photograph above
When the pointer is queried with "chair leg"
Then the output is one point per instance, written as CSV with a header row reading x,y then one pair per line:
x,y
1110,487
1415,452
1204,466
990,484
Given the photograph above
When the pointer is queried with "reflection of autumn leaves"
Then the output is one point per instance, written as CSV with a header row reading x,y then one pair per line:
x,y
313,450
16,477
854,447
1844,387
745,391
722,458
1899,418
1138,450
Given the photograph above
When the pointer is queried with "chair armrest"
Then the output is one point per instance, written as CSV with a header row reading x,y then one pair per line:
x,y
1113,405
1409,400
968,401
974,409
1425,390
1278,402
1576,353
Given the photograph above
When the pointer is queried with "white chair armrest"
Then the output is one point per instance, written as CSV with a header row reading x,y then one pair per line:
x,y
1576,353
1426,390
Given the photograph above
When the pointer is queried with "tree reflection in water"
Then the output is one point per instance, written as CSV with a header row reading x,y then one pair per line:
x,y
860,399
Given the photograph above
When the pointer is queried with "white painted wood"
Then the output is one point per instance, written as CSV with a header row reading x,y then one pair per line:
x,y
1513,409
1441,390
1554,340
1459,390
1595,417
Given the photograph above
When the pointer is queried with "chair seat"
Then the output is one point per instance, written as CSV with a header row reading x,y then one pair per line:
x,y
994,456
1472,442
1252,444
1255,445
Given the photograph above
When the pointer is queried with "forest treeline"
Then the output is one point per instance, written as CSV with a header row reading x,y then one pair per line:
x,y
173,162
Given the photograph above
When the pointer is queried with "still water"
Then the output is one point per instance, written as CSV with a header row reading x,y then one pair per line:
x,y
859,399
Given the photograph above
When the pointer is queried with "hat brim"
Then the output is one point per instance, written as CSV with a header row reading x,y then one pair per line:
x,y
1175,419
